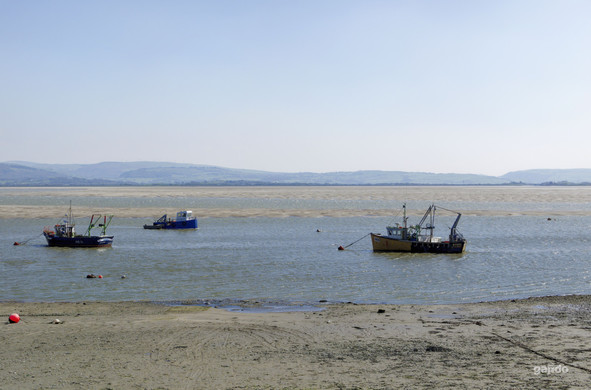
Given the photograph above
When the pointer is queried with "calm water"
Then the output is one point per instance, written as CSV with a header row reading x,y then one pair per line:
x,y
287,260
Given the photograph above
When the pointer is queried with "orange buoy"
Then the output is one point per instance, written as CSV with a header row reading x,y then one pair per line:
x,y
100,276
14,318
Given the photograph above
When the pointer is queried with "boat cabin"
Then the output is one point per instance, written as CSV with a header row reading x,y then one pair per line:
x,y
65,230
184,215
398,232
410,234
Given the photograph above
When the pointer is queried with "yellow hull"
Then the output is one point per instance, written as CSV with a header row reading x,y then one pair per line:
x,y
383,244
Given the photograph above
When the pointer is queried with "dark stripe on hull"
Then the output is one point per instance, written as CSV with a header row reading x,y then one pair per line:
x,y
428,247
387,244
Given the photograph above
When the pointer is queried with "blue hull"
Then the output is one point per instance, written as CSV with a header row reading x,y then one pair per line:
x,y
190,224
79,241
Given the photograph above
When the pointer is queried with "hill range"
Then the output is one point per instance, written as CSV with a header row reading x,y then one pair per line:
x,y
21,173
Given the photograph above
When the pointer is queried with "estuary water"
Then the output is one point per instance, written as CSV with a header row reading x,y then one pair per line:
x,y
525,248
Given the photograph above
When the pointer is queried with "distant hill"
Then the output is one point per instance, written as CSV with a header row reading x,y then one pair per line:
x,y
549,176
22,173
200,174
103,170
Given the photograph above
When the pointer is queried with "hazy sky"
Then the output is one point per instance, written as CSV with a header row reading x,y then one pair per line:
x,y
303,85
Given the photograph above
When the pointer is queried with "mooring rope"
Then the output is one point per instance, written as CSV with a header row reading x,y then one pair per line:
x,y
24,242
355,242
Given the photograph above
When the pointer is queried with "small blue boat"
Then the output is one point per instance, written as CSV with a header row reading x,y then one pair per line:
x,y
184,220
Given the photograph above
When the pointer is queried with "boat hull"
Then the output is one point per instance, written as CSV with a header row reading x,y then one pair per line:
x,y
79,241
154,226
190,224
388,244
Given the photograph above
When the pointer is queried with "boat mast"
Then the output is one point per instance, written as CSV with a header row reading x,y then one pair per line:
x,y
404,218
429,213
70,232
432,221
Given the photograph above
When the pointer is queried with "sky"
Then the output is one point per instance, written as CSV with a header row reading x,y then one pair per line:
x,y
473,86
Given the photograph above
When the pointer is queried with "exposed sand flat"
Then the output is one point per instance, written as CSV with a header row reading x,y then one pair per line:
x,y
441,195
533,343
578,194
57,212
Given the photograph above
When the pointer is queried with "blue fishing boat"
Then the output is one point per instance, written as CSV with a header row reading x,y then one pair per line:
x,y
63,234
184,220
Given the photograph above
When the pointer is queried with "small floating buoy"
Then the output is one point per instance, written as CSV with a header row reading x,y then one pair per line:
x,y
14,318
100,276
341,248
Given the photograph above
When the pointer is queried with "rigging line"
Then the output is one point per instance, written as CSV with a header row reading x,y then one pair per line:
x,y
451,211
395,217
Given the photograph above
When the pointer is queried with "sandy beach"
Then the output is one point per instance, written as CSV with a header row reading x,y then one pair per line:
x,y
532,343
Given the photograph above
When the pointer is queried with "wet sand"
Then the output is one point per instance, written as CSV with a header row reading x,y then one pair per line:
x,y
437,194
532,343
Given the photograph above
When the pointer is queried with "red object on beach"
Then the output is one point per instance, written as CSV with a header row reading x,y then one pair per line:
x,y
14,318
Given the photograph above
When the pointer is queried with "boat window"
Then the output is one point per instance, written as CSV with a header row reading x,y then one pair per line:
x,y
395,231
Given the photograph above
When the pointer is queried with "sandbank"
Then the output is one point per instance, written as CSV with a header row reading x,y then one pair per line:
x,y
511,197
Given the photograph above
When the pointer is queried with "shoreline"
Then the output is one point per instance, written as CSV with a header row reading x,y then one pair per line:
x,y
283,306
539,342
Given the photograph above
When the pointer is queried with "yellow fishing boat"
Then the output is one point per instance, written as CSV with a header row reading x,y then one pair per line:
x,y
405,238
